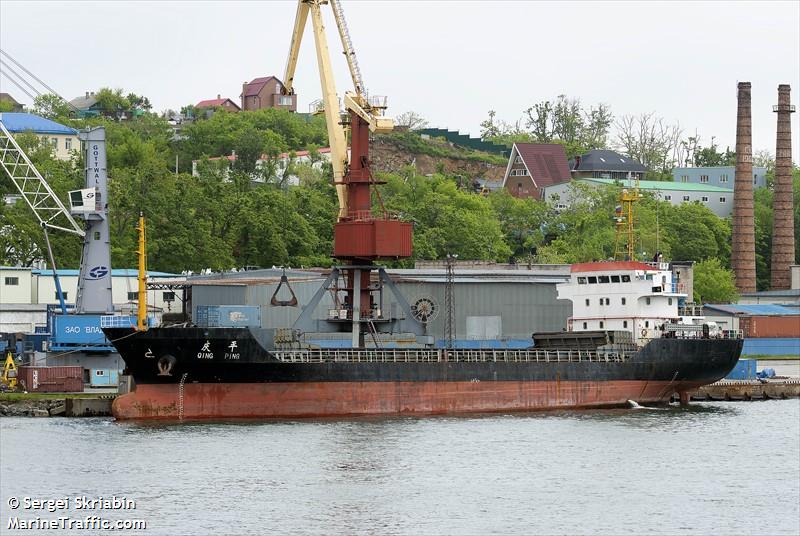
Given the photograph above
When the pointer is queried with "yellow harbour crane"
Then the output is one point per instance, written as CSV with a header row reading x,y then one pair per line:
x,y
356,102
361,235
625,222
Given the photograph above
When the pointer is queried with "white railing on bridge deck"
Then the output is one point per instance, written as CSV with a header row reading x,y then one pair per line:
x,y
118,321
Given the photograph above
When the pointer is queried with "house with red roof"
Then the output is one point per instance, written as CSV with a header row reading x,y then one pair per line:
x,y
226,104
266,92
532,166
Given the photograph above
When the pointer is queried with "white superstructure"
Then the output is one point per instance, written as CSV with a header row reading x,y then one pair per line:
x,y
623,296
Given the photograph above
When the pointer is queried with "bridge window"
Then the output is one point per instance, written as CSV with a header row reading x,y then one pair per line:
x,y
626,279
581,280
132,296
604,279
592,280
615,279
12,281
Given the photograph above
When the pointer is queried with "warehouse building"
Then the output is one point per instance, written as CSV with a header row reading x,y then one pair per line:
x,y
492,307
26,293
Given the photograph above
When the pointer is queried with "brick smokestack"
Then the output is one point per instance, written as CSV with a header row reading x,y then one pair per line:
x,y
782,210
743,252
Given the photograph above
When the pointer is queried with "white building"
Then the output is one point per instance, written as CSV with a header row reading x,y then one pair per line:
x,y
64,140
719,200
282,162
622,296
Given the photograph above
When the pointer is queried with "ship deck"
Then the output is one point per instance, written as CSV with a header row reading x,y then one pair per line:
x,y
434,355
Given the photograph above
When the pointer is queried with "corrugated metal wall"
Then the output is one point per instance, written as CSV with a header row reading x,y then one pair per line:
x,y
523,307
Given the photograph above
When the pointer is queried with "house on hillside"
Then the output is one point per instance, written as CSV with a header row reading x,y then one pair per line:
x,y
723,176
87,106
718,200
265,92
62,138
605,164
533,166
12,102
208,106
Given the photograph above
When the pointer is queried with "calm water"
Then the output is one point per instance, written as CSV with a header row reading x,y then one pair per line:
x,y
724,468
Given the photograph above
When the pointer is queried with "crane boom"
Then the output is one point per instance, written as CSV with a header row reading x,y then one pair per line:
x,y
336,134
347,46
357,103
294,48
46,205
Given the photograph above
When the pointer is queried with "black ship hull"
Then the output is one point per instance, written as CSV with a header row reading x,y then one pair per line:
x,y
233,373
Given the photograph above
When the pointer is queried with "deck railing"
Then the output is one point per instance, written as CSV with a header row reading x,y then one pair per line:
x,y
400,355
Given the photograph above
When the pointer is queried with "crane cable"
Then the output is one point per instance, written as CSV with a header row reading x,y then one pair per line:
x,y
36,78
9,69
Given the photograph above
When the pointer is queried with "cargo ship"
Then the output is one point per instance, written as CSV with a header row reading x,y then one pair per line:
x,y
627,340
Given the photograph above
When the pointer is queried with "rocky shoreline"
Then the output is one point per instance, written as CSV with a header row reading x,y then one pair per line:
x,y
32,408
70,406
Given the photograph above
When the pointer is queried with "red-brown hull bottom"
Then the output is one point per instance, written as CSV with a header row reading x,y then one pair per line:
x,y
330,399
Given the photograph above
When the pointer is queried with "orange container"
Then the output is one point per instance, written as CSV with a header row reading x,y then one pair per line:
x,y
770,327
51,379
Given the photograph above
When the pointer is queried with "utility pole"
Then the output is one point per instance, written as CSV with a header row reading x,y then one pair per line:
x,y
449,302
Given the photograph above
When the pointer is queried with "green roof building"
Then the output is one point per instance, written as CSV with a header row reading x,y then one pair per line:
x,y
719,200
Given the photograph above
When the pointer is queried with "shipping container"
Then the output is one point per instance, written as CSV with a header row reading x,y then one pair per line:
x,y
767,327
51,379
772,346
103,378
228,316
745,369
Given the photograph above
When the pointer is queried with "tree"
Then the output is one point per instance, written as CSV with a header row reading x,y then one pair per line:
x,y
411,120
597,122
709,235
713,283
710,156
111,100
650,140
249,147
521,221
51,106
137,102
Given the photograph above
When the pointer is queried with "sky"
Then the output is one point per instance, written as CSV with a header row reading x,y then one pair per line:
x,y
449,61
